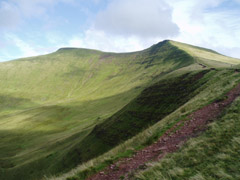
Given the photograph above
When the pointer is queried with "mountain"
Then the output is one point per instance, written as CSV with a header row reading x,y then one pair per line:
x,y
65,108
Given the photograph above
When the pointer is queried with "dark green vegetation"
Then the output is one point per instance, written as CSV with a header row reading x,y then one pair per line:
x,y
153,104
73,105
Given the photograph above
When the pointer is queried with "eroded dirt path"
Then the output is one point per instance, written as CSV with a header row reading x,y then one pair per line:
x,y
170,141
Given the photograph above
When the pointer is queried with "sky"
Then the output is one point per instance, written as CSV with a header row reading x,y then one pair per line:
x,y
36,27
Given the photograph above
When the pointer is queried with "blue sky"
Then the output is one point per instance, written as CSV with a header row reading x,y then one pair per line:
x,y
35,27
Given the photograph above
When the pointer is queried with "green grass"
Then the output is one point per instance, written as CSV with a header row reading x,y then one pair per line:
x,y
206,56
209,92
214,155
50,105
153,104
45,134
101,166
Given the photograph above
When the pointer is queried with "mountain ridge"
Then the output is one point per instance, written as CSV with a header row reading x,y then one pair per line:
x,y
64,49
51,103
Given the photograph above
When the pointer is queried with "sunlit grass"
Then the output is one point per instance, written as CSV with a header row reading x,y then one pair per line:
x,y
206,55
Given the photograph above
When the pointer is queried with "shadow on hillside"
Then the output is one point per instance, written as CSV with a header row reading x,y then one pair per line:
x,y
20,162
153,104
29,151
8,102
74,71
74,147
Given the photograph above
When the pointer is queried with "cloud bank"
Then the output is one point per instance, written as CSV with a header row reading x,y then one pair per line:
x,y
143,18
116,25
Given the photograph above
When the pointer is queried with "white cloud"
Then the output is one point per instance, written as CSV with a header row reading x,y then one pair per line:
x,y
100,40
35,8
9,15
25,48
208,24
128,25
133,25
143,18
13,12
200,23
77,42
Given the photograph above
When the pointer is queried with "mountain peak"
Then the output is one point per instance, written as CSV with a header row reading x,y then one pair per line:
x,y
67,48
78,50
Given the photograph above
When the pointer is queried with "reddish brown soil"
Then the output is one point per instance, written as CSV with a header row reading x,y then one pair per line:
x,y
170,141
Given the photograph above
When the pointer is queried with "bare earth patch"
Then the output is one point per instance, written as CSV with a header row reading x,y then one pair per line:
x,y
170,141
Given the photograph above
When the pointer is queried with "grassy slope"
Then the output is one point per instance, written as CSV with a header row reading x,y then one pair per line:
x,y
119,149
214,155
206,56
218,82
50,103
153,104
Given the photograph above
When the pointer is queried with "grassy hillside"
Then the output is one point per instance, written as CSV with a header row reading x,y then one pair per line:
x,y
62,109
153,104
50,103
85,74
217,83
214,155
207,57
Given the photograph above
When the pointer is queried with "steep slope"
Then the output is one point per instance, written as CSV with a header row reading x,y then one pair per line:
x,y
153,104
171,140
209,97
50,103
207,57
80,73
213,155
